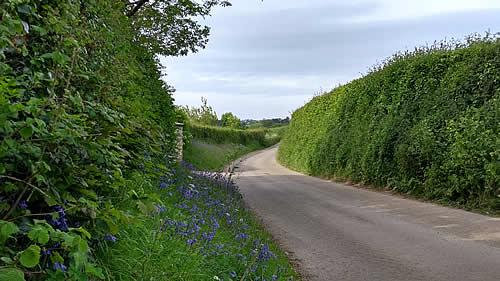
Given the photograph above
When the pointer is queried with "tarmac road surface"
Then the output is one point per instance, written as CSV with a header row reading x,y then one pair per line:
x,y
339,232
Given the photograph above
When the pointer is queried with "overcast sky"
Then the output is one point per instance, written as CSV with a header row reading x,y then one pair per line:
x,y
266,59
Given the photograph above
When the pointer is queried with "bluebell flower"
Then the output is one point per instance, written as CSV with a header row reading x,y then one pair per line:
x,y
233,274
23,204
110,237
61,222
60,266
163,185
160,209
274,277
241,236
265,254
208,236
190,242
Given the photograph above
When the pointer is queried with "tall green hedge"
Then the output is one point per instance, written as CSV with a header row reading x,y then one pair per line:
x,y
228,135
425,122
81,106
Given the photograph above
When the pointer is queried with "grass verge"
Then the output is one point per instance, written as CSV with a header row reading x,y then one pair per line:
x,y
198,229
214,157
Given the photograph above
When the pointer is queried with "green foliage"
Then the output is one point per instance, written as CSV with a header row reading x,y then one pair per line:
x,y
227,135
11,274
425,123
206,156
30,257
267,123
81,105
7,229
193,232
86,128
230,120
204,114
171,27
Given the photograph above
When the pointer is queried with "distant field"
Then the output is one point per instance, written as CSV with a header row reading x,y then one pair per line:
x,y
212,156
212,148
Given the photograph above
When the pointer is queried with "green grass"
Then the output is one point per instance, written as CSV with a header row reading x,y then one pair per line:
x,y
172,213
156,245
213,156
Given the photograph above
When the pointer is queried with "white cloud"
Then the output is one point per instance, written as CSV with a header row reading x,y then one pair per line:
x,y
388,10
265,59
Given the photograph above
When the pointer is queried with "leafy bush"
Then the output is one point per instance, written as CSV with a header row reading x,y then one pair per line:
x,y
424,122
80,104
227,135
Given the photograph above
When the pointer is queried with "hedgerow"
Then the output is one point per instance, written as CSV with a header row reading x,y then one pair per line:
x,y
81,104
425,122
228,135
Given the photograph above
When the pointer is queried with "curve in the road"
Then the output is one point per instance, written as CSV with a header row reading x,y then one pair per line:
x,y
339,232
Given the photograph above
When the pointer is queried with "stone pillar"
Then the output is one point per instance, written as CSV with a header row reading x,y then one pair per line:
x,y
180,140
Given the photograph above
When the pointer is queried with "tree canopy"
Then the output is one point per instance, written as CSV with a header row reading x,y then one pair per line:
x,y
171,27
230,120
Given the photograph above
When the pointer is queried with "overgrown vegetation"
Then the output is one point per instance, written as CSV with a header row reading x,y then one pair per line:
x,y
86,131
228,135
209,156
198,230
425,122
212,148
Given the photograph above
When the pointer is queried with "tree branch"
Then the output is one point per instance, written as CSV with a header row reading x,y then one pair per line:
x,y
137,7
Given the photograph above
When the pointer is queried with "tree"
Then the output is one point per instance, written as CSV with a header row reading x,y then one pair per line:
x,y
204,115
171,27
230,120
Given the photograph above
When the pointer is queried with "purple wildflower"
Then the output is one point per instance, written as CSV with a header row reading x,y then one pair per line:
x,y
241,236
61,222
160,209
109,237
190,242
59,266
23,204
208,236
265,254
